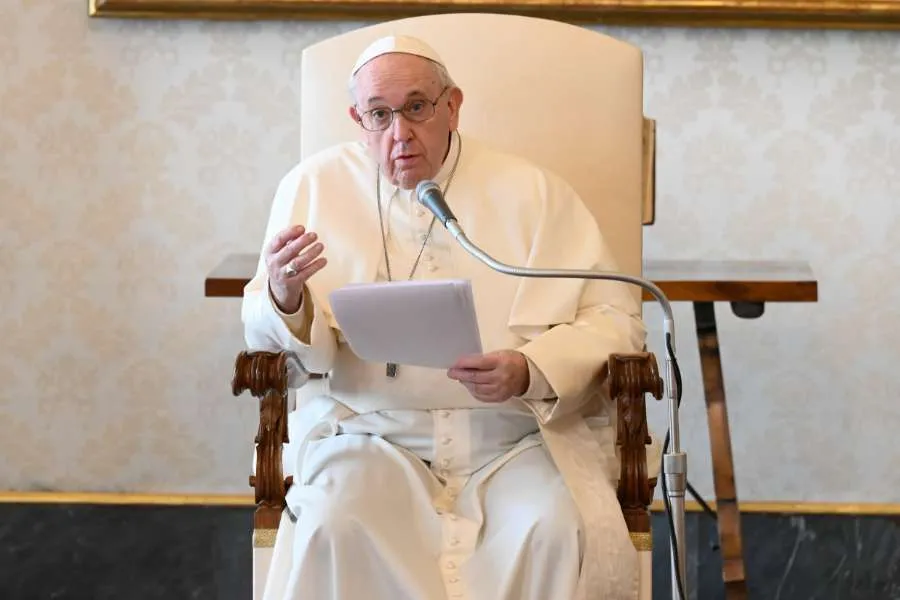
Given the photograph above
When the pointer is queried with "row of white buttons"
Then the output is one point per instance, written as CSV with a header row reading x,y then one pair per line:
x,y
426,256
421,227
443,453
452,582
444,426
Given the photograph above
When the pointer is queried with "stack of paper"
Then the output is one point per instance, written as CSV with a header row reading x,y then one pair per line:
x,y
419,323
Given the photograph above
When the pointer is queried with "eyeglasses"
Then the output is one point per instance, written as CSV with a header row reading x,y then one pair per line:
x,y
416,110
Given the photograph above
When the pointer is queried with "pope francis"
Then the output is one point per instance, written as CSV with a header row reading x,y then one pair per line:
x,y
493,480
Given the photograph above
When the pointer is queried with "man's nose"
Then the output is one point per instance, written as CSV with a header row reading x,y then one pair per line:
x,y
401,127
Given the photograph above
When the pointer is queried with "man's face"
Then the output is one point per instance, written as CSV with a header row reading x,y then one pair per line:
x,y
408,151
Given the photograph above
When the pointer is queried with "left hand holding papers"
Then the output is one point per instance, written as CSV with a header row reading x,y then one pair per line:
x,y
493,377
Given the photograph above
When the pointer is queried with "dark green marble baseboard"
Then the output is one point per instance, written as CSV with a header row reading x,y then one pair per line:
x,y
98,552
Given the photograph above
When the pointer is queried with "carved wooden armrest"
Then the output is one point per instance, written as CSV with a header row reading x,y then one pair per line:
x,y
265,375
631,376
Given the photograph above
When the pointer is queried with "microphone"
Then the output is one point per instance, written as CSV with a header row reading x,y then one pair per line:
x,y
674,464
431,196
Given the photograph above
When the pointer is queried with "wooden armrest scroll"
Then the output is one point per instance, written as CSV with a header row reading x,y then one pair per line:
x,y
631,376
265,376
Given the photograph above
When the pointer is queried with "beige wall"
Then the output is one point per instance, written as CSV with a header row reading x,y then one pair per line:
x,y
135,154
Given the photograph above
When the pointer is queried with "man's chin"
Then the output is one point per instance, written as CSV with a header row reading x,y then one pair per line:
x,y
409,180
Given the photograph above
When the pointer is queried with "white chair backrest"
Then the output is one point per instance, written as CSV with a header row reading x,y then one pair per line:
x,y
565,97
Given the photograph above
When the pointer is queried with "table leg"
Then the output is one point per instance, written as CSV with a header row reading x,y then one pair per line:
x,y
727,510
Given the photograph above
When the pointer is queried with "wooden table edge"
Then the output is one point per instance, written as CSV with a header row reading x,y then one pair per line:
x,y
227,280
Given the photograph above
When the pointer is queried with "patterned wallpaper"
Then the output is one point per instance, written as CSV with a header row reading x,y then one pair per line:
x,y
136,154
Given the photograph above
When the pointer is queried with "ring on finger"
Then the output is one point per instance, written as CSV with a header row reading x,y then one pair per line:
x,y
289,270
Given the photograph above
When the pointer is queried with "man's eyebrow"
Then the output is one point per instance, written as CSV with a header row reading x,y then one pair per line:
x,y
412,94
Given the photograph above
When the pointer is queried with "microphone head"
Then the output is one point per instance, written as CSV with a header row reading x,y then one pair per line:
x,y
423,187
431,197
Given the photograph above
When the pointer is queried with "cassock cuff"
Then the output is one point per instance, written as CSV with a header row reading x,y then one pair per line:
x,y
300,322
538,386
539,397
542,409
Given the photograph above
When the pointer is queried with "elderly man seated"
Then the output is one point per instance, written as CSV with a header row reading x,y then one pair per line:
x,y
488,481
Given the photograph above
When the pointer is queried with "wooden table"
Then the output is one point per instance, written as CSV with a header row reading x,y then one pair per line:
x,y
746,285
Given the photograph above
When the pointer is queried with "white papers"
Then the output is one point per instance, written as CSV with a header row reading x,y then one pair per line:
x,y
418,323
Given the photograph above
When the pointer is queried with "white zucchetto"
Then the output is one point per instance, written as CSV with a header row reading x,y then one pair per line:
x,y
402,44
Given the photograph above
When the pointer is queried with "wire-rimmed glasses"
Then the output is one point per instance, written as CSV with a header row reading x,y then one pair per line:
x,y
415,110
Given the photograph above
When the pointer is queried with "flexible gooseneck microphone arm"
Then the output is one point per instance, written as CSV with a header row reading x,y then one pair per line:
x,y
674,461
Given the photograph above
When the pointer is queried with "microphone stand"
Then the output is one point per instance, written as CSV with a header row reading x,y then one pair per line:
x,y
674,460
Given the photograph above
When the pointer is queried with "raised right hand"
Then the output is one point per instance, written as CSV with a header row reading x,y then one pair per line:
x,y
292,257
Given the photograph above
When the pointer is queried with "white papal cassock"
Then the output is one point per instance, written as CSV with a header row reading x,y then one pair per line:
x,y
408,487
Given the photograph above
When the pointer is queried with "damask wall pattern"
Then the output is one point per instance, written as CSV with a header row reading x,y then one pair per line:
x,y
135,154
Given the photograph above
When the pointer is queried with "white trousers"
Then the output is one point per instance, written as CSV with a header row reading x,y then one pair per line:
x,y
369,519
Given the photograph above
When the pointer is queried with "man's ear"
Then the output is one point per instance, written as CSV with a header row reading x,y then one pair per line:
x,y
454,102
354,114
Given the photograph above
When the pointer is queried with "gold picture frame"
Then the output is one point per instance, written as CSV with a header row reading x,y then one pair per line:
x,y
802,14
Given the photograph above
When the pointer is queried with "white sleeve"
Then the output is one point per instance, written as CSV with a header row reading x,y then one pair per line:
x,y
305,333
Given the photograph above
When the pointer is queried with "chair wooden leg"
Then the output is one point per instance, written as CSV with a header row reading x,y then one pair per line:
x,y
265,376
727,510
631,377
